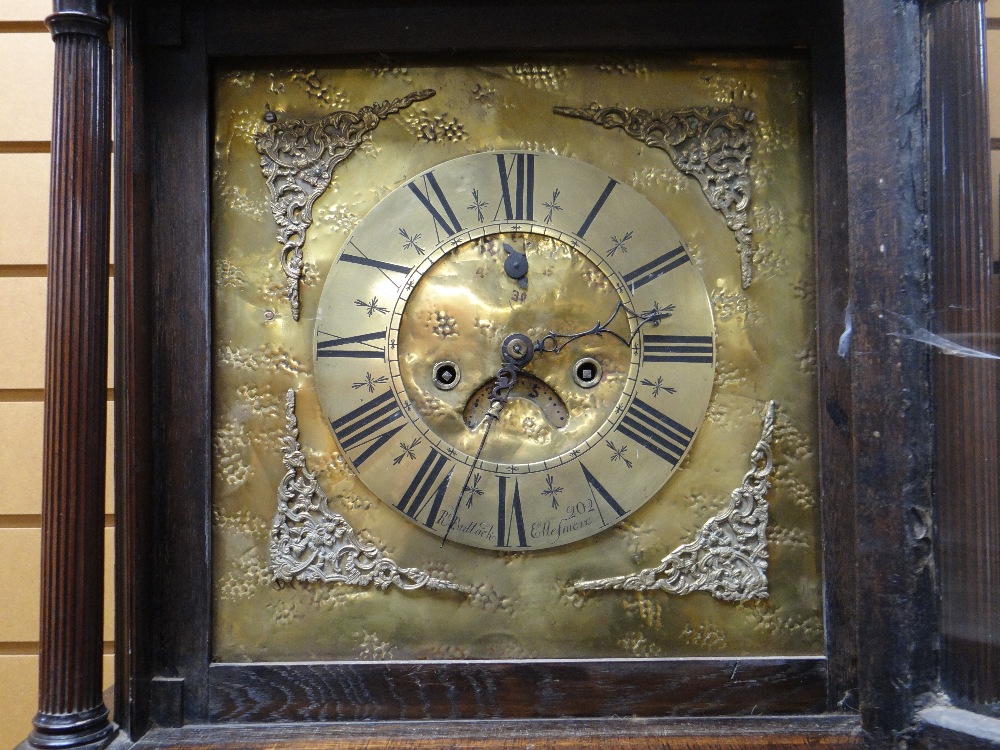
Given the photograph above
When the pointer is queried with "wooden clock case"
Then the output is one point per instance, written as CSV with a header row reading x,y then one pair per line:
x,y
907,433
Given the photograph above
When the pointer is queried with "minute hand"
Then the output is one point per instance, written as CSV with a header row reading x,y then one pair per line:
x,y
516,352
553,342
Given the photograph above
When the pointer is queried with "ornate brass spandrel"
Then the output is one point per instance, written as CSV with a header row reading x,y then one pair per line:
x,y
298,158
711,144
728,557
312,544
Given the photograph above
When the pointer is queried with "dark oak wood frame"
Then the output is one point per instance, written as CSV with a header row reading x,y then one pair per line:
x,y
898,127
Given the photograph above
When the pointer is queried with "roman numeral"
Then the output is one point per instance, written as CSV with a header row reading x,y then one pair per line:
x,y
371,426
598,492
426,491
656,267
450,225
384,268
656,431
509,519
359,346
596,209
657,348
521,206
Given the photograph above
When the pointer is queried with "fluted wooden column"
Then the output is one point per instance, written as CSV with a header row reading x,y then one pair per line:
x,y
966,481
71,712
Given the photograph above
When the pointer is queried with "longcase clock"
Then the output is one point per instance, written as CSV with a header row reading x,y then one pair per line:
x,y
553,375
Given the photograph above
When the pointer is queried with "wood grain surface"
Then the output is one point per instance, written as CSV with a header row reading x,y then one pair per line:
x,y
368,691
71,710
830,732
965,388
890,408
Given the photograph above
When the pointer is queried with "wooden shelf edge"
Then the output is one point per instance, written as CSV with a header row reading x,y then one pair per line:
x,y
828,731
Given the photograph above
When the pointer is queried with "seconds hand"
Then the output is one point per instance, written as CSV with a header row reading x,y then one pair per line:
x,y
516,351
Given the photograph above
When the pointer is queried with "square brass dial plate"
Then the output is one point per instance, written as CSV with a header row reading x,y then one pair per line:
x,y
522,604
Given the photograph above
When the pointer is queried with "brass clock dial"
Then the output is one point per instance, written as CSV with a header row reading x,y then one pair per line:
x,y
410,336
491,202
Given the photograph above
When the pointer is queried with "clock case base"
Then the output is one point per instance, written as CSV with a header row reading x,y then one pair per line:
x,y
165,54
833,733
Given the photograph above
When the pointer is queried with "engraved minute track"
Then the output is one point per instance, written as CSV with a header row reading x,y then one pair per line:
x,y
503,409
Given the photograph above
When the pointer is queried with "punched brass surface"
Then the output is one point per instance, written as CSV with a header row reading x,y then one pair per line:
x,y
548,414
522,606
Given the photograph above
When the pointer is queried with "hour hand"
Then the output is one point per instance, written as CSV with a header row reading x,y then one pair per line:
x,y
516,265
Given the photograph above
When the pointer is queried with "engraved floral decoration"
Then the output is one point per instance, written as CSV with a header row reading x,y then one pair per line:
x,y
298,158
543,77
310,543
435,128
728,557
444,325
711,144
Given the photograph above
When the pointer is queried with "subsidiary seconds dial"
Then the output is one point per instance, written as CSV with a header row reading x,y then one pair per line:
x,y
547,267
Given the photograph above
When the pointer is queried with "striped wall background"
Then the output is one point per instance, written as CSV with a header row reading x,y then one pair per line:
x,y
26,56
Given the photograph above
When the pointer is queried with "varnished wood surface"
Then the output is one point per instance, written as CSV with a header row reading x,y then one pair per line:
x,y
178,60
261,28
178,140
519,689
833,370
763,733
701,742
944,727
890,413
876,410
70,708
133,376
965,388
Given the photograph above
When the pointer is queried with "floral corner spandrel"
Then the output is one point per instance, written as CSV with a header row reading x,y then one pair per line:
x,y
310,543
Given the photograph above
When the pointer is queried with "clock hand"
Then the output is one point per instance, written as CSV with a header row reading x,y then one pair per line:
x,y
516,351
550,341
516,266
